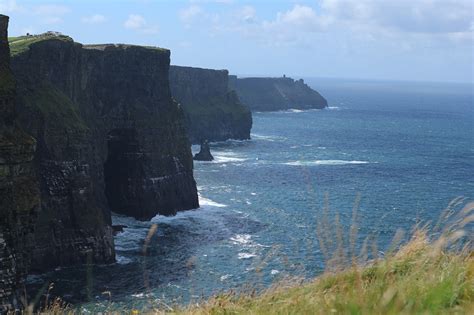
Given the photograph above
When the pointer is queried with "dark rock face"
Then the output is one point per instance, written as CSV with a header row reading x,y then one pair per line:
x,y
110,137
212,111
271,94
204,153
19,193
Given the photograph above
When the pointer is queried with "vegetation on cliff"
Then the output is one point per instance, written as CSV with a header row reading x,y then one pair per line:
x,y
21,44
431,273
418,279
53,106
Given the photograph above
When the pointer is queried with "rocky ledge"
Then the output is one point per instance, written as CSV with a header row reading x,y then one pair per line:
x,y
212,111
271,94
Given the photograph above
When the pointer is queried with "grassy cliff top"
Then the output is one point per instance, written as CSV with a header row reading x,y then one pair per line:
x,y
122,46
21,44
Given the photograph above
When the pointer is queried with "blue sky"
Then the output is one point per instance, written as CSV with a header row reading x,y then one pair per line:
x,y
422,40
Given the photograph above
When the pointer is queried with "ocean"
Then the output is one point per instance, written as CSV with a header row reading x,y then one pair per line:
x,y
397,152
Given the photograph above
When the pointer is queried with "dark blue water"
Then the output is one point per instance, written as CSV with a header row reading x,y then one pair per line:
x,y
404,149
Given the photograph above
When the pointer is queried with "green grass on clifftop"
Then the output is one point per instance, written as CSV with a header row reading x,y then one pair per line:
x,y
21,44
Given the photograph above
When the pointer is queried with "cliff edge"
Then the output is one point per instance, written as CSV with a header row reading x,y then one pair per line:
x,y
110,138
212,111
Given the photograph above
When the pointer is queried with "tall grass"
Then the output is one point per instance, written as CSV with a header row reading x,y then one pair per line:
x,y
431,273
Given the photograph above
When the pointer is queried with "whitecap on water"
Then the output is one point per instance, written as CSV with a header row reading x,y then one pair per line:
x,y
227,159
208,202
246,255
241,239
122,260
267,138
324,162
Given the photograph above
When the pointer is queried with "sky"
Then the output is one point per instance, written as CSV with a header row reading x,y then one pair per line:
x,y
417,40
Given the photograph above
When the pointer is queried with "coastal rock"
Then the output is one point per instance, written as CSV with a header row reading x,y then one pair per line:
x,y
271,94
110,138
19,192
212,111
204,153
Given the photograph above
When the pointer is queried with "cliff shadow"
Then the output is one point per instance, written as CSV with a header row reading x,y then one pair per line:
x,y
123,171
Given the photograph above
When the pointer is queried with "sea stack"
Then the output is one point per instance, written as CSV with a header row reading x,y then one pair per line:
x,y
205,152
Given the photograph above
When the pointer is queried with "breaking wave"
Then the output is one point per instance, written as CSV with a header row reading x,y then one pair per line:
x,y
325,162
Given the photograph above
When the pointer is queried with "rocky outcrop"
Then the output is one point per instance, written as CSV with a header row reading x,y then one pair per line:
x,y
212,111
110,137
271,94
19,194
204,153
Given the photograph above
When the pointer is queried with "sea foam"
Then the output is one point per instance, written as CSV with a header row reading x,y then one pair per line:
x,y
324,162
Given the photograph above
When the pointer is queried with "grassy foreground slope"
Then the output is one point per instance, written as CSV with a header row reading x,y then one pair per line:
x,y
418,279
426,275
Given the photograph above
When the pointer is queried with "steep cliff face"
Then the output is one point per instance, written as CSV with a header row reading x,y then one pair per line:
x,y
110,137
270,94
213,112
19,194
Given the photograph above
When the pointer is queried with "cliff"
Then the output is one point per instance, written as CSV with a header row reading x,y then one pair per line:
x,y
110,137
19,194
270,94
212,111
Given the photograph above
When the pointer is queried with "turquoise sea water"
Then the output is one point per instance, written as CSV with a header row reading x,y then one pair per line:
x,y
405,149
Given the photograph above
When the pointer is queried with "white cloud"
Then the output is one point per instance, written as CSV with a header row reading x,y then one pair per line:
x,y
416,16
190,13
135,22
407,23
50,14
94,19
138,23
292,27
247,14
9,6
302,18
51,10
